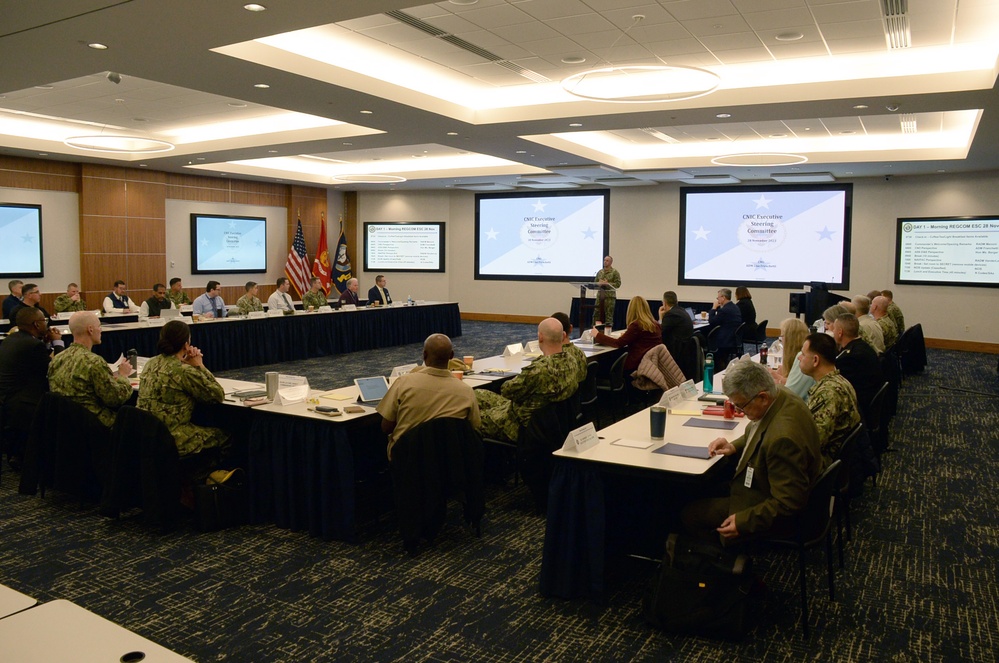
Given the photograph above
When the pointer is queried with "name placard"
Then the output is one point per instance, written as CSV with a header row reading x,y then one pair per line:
x,y
513,349
581,439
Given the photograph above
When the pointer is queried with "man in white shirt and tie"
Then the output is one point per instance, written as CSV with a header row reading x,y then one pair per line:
x,y
279,299
210,304
379,295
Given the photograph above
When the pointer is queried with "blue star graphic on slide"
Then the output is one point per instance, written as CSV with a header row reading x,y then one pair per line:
x,y
825,233
589,233
761,265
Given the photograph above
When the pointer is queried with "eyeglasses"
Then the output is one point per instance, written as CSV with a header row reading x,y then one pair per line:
x,y
742,408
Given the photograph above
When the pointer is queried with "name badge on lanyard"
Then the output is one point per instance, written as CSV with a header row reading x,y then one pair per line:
x,y
749,477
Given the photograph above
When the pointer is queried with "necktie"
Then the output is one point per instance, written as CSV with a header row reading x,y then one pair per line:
x,y
215,306
287,302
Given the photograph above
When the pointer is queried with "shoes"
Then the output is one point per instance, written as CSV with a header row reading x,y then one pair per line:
x,y
221,476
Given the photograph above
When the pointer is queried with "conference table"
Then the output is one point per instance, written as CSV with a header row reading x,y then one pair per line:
x,y
240,342
13,601
63,631
614,494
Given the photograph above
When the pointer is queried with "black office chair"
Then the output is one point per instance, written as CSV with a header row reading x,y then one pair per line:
x,y
613,388
911,349
761,336
436,460
587,394
875,422
812,527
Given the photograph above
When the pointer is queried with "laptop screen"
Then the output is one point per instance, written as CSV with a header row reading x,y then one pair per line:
x,y
372,389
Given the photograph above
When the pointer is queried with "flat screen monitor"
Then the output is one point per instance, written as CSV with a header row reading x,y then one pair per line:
x,y
20,240
404,247
551,236
228,244
950,250
769,236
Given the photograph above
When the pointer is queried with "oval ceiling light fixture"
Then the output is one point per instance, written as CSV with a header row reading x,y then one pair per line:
x,y
573,59
368,179
641,84
789,36
97,46
254,7
757,159
119,144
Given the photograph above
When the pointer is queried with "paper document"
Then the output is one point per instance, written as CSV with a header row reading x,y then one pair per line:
x,y
634,444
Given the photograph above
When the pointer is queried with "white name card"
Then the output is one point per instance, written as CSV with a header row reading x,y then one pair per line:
x,y
402,370
292,389
274,312
324,309
513,349
689,390
671,397
581,439
348,307
533,346
257,314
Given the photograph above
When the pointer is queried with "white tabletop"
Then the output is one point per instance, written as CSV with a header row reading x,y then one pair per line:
x,y
12,601
63,631
338,398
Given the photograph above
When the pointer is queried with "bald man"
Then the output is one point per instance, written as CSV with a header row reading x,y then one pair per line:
x,y
879,309
78,373
548,379
426,393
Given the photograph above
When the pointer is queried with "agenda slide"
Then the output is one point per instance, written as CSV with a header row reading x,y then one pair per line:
x,y
20,240
228,244
404,247
771,236
948,251
553,236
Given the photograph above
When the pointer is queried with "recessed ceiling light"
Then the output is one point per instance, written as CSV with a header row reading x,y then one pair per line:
x,y
521,151
140,119
45,154
347,144
712,138
254,7
941,170
201,158
576,124
778,135
722,116
272,151
261,86
419,156
452,133
789,36
573,59
367,112
860,106
44,87
236,104
463,2
143,165
848,132
97,46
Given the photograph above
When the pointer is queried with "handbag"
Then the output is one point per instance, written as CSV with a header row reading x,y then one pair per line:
x,y
222,502
702,588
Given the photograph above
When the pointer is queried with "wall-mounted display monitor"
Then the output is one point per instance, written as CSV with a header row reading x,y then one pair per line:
x,y
228,244
781,236
551,236
20,240
404,247
955,250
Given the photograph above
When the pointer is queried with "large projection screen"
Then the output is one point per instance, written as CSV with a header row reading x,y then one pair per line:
x,y
228,244
961,251
20,240
404,247
768,236
551,236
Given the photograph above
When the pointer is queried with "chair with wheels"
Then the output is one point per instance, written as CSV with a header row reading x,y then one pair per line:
x,y
588,394
613,388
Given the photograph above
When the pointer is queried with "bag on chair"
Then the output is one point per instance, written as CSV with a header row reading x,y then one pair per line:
x,y
222,502
701,589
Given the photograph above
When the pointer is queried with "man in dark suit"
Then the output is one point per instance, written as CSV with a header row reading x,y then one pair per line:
x,y
24,365
349,296
13,299
379,294
779,460
676,323
725,315
30,296
857,361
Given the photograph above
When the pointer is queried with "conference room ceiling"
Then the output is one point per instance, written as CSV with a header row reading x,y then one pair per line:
x,y
473,94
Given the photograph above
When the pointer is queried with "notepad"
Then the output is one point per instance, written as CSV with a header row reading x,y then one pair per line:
x,y
671,449
711,423
342,394
634,444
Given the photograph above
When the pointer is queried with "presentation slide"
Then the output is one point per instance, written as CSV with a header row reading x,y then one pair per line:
x,y
783,236
20,240
228,244
556,236
940,251
404,247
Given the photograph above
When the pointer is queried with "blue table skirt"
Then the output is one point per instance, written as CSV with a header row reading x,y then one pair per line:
x,y
243,343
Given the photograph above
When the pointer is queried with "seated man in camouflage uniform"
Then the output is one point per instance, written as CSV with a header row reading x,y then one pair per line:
x,y
70,301
315,297
548,379
568,347
177,294
83,376
879,309
249,302
832,400
173,382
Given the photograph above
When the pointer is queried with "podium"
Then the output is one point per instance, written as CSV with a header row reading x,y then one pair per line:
x,y
585,305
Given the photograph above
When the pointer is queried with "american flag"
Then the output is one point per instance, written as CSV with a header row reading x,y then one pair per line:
x,y
297,267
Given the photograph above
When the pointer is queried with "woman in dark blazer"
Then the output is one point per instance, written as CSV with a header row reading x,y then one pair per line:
x,y
744,301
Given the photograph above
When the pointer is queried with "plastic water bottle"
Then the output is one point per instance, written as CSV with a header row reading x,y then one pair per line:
x,y
777,352
763,354
409,301
709,372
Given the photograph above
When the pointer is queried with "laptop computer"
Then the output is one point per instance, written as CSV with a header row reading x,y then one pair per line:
x,y
372,389
170,313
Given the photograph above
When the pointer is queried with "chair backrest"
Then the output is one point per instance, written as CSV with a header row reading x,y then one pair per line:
x,y
761,331
739,332
588,387
713,339
617,373
874,420
699,357
912,349
814,519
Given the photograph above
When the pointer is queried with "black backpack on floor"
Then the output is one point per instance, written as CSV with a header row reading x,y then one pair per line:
x,y
701,589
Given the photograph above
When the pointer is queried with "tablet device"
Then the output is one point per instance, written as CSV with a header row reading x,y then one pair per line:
x,y
372,389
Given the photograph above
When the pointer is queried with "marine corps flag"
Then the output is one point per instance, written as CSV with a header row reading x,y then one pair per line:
x,y
341,267
321,265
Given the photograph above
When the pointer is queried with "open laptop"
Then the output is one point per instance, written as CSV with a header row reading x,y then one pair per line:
x,y
170,313
372,389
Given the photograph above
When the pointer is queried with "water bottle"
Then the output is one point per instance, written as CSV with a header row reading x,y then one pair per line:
x,y
763,354
709,372
409,301
777,352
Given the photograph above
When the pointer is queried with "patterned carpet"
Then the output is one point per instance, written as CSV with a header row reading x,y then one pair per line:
x,y
920,580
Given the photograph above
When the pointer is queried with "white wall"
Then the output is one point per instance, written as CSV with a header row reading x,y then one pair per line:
x,y
643,241
178,241
60,236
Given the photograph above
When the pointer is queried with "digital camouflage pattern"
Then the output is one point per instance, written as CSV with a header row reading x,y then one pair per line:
x,y
248,304
895,313
83,376
889,330
63,304
178,298
607,299
833,403
314,299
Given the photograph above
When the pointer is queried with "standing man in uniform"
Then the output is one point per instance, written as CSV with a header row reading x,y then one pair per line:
x,y
606,298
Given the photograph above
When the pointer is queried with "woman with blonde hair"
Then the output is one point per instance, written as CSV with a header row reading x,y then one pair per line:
x,y
793,333
643,333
